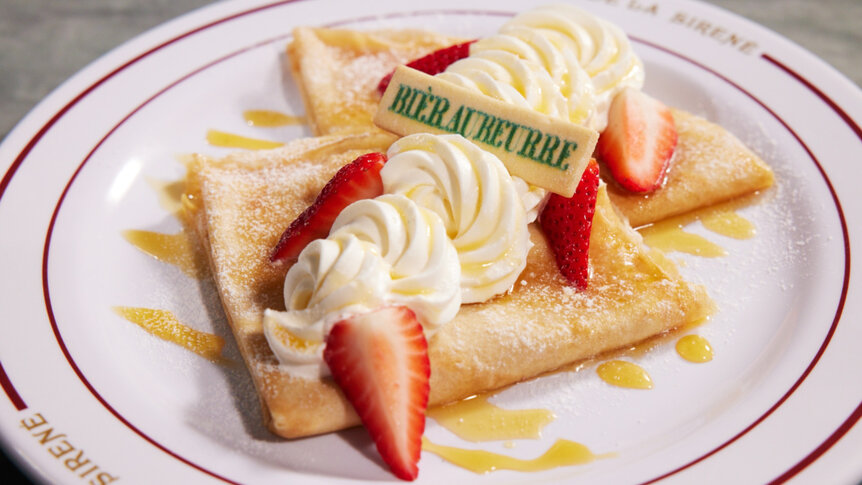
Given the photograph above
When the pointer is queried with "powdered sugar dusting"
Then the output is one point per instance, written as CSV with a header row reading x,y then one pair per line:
x,y
351,64
543,323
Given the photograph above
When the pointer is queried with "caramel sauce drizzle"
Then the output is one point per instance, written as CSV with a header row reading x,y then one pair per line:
x,y
170,194
694,348
165,325
270,119
562,453
180,250
622,373
476,419
669,237
669,234
232,140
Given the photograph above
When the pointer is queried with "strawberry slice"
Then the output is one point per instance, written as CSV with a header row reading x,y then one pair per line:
x,y
359,179
567,223
380,361
433,63
639,141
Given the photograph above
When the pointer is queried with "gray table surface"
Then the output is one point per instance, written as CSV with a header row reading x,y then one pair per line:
x,y
43,42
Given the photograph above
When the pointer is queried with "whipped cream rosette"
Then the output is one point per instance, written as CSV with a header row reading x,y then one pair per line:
x,y
479,202
422,262
558,60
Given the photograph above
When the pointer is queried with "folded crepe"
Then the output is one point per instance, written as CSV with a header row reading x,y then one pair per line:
x,y
338,71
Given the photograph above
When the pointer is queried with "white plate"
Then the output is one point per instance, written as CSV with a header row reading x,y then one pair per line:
x,y
779,401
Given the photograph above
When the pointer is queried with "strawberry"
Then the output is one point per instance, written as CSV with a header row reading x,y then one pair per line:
x,y
567,222
433,63
380,361
359,179
639,141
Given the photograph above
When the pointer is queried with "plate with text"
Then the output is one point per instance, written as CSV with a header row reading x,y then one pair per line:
x,y
92,176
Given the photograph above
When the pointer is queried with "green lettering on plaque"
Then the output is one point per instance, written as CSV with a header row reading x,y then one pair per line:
x,y
435,117
528,149
400,100
546,156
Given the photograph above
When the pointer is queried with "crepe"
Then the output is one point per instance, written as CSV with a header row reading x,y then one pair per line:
x,y
709,166
242,203
338,72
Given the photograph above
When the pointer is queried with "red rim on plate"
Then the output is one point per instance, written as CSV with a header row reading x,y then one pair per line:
x,y
20,404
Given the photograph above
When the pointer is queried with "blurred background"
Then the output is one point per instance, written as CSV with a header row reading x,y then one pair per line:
x,y
43,42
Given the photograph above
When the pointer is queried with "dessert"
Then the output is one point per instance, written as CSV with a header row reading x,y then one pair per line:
x,y
442,263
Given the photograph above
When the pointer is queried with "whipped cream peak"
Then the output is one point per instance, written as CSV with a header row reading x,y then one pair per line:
x,y
422,262
479,203
382,251
559,60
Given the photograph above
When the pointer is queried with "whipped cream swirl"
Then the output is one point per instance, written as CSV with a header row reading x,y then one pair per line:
x,y
423,262
558,60
478,201
380,251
